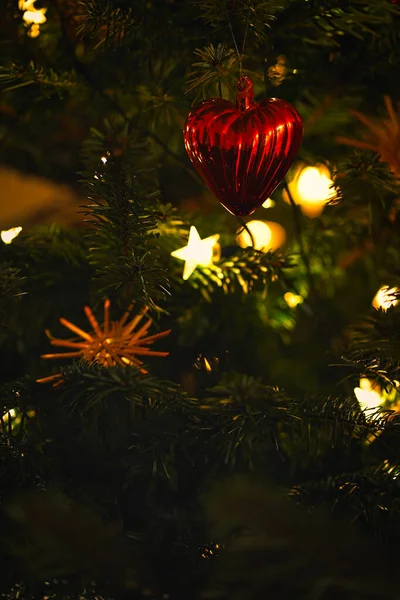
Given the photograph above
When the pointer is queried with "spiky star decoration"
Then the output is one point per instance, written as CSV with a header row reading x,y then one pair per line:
x,y
109,344
383,136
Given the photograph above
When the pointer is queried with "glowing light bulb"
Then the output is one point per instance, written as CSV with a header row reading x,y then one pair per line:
x,y
35,16
311,189
10,414
278,235
267,235
9,234
385,298
269,203
292,300
261,235
368,394
34,31
32,16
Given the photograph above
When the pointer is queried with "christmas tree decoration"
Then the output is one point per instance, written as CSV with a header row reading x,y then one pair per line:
x,y
311,189
385,298
261,458
381,136
266,235
269,203
8,235
33,17
293,300
368,394
112,343
243,152
198,252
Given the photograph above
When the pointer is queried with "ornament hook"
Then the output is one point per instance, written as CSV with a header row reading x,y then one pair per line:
x,y
245,93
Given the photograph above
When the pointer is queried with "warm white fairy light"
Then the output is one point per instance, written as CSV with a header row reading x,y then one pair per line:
x,y
385,298
198,252
260,232
269,203
368,394
292,300
266,235
311,189
33,17
7,235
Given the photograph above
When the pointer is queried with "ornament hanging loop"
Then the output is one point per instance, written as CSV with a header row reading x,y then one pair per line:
x,y
245,93
239,54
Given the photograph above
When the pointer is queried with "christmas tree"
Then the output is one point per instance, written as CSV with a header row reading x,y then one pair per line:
x,y
199,299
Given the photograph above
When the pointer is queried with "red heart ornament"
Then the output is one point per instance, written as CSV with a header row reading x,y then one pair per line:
x,y
243,152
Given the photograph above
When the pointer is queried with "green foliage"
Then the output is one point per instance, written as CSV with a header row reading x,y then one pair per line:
x,y
122,252
251,415
256,15
247,270
373,350
13,77
113,483
214,71
371,495
117,23
11,284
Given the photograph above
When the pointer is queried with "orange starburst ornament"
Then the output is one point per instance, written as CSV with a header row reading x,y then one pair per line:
x,y
382,135
112,343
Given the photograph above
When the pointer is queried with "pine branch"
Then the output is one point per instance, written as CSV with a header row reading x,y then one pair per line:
x,y
256,15
111,24
14,76
359,19
247,270
374,348
52,247
250,416
365,183
123,250
328,422
216,69
89,387
371,495
11,284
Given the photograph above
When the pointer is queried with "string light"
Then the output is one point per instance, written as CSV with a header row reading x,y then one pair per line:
x,y
8,235
198,252
368,394
386,298
292,300
311,188
267,235
269,203
33,17
13,417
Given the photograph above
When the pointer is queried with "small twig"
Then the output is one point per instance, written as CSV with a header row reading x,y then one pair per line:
x,y
299,236
219,88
